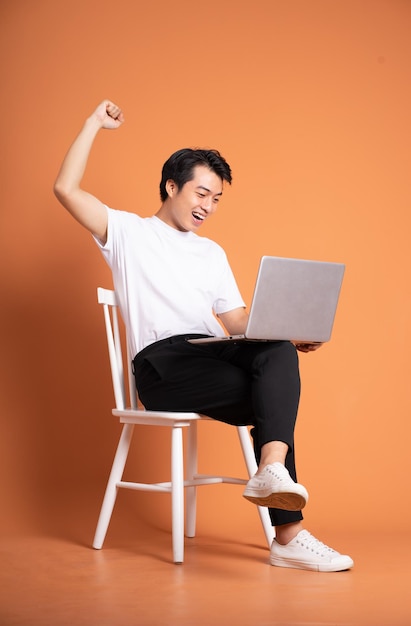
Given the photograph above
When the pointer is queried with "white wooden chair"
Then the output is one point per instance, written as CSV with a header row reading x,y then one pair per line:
x,y
129,416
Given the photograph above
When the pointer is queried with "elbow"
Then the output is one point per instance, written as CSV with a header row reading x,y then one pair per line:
x,y
61,192
58,190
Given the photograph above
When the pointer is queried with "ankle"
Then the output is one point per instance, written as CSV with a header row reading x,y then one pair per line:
x,y
264,464
273,452
286,532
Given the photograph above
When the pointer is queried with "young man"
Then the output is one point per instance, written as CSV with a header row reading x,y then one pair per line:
x,y
171,285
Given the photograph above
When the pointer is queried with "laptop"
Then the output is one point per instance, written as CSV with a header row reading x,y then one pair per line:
x,y
294,299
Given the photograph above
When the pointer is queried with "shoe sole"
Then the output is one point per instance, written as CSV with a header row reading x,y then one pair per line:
x,y
285,501
313,567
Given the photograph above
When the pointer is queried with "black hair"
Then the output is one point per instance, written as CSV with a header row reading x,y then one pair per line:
x,y
180,167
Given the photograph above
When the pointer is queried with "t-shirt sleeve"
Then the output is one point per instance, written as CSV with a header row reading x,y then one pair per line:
x,y
110,249
228,294
101,245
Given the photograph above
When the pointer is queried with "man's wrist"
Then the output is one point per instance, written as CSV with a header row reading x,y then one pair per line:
x,y
93,123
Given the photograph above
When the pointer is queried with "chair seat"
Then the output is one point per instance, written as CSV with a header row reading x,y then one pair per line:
x,y
156,418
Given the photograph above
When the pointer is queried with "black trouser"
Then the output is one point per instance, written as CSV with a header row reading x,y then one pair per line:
x,y
240,383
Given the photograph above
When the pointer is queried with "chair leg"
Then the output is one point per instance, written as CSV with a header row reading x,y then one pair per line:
x,y
191,471
177,493
267,525
111,489
251,465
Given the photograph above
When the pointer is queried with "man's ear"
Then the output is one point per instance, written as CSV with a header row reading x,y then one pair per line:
x,y
171,188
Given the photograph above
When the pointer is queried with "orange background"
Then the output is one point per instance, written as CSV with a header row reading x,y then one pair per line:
x,y
310,103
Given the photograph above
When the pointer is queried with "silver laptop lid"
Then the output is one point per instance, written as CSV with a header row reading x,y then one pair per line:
x,y
295,299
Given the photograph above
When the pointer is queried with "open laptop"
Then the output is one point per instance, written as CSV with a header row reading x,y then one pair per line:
x,y
294,299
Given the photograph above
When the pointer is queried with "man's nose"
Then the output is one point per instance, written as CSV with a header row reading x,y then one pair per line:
x,y
206,204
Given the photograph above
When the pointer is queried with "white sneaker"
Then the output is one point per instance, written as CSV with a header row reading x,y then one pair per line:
x,y
306,552
274,487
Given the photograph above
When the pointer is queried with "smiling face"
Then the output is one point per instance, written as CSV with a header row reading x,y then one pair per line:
x,y
186,209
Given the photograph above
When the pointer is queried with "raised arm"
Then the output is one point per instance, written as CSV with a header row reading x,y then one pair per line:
x,y
83,206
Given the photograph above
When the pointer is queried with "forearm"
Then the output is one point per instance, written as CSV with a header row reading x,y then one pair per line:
x,y
74,164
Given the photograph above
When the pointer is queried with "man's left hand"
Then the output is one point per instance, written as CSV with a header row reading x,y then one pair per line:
x,y
307,347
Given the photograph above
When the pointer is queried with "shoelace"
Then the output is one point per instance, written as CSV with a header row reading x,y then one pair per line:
x,y
278,473
315,545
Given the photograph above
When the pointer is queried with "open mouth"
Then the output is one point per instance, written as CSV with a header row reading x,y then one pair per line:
x,y
198,217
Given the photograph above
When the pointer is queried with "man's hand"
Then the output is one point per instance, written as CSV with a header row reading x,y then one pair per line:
x,y
307,347
109,115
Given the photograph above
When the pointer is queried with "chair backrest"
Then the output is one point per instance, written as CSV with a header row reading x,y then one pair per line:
x,y
108,298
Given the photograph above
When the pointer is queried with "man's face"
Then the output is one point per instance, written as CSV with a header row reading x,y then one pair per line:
x,y
187,208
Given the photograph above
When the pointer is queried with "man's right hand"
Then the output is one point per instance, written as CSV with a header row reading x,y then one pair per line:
x,y
109,115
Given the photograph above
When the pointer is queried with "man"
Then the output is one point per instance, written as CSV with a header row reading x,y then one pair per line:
x,y
174,285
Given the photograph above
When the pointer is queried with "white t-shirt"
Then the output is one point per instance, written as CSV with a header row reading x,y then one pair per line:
x,y
168,282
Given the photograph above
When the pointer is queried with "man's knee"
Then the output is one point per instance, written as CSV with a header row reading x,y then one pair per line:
x,y
279,352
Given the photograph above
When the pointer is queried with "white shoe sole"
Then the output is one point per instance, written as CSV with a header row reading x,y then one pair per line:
x,y
345,563
288,501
